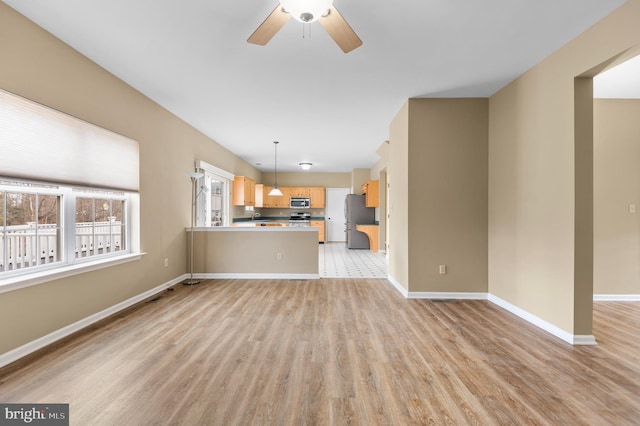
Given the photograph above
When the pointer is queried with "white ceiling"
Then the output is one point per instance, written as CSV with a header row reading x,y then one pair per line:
x,y
324,106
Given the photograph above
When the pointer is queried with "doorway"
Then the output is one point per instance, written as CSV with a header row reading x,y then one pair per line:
x,y
335,214
617,182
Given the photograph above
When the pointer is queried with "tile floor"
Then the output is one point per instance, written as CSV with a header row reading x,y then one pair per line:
x,y
337,261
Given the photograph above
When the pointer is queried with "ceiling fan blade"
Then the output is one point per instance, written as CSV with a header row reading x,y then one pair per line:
x,y
274,22
340,31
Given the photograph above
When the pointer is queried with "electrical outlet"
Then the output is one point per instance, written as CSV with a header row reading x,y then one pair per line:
x,y
442,269
166,262
279,256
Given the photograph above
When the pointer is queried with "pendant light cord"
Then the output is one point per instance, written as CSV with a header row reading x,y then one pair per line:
x,y
276,164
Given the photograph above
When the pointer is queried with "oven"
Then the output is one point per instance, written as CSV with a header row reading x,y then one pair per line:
x,y
299,219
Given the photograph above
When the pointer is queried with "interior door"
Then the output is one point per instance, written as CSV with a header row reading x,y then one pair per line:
x,y
334,215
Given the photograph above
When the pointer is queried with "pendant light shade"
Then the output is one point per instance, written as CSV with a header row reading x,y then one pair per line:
x,y
275,192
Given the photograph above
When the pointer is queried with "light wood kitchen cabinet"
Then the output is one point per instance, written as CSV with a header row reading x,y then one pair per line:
x,y
320,224
317,195
372,191
244,191
263,199
299,191
275,202
259,197
372,232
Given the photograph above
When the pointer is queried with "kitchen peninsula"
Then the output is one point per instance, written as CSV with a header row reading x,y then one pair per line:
x,y
255,252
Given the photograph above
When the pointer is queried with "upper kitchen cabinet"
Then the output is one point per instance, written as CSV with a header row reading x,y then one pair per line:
x,y
317,197
260,195
371,190
296,191
244,191
275,201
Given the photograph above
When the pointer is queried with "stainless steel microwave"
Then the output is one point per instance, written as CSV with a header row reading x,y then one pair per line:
x,y
300,202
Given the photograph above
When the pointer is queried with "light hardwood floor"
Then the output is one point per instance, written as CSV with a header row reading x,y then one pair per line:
x,y
333,351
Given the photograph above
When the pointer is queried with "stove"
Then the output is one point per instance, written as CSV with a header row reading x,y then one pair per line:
x,y
299,219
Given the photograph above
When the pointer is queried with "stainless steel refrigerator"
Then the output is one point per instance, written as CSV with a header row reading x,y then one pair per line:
x,y
356,213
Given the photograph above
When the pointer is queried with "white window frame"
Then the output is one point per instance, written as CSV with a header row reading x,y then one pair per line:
x,y
70,218
203,190
68,264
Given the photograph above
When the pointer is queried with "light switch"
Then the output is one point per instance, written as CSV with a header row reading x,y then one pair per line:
x,y
632,208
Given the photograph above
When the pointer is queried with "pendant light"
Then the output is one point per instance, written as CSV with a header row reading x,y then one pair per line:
x,y
275,192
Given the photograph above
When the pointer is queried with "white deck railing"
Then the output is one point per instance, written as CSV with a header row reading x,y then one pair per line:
x,y
25,245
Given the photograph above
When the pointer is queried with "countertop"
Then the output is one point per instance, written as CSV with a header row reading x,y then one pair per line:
x,y
282,228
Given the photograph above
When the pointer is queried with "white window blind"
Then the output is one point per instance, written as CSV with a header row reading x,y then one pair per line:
x,y
37,142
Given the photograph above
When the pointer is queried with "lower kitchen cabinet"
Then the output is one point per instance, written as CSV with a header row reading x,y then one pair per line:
x,y
319,224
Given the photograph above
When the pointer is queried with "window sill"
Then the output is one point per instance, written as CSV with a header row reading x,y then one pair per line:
x,y
22,281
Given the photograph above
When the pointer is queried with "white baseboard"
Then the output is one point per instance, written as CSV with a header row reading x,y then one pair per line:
x,y
546,326
616,297
244,276
538,322
435,295
403,291
28,348
445,295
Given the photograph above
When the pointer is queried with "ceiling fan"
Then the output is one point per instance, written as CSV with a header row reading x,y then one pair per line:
x,y
307,11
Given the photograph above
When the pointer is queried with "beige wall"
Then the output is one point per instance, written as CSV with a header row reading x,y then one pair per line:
x,y
379,171
358,178
616,186
398,180
538,175
438,203
37,66
255,252
447,196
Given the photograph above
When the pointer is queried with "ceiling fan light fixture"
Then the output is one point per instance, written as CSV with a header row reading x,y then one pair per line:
x,y
306,166
306,11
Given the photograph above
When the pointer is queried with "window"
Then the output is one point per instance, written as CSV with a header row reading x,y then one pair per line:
x,y
69,197
100,226
44,226
30,228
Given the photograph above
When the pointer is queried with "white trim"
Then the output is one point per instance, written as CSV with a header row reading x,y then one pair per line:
x,y
584,340
255,276
28,348
23,281
435,295
444,295
538,322
616,297
546,326
213,169
403,291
